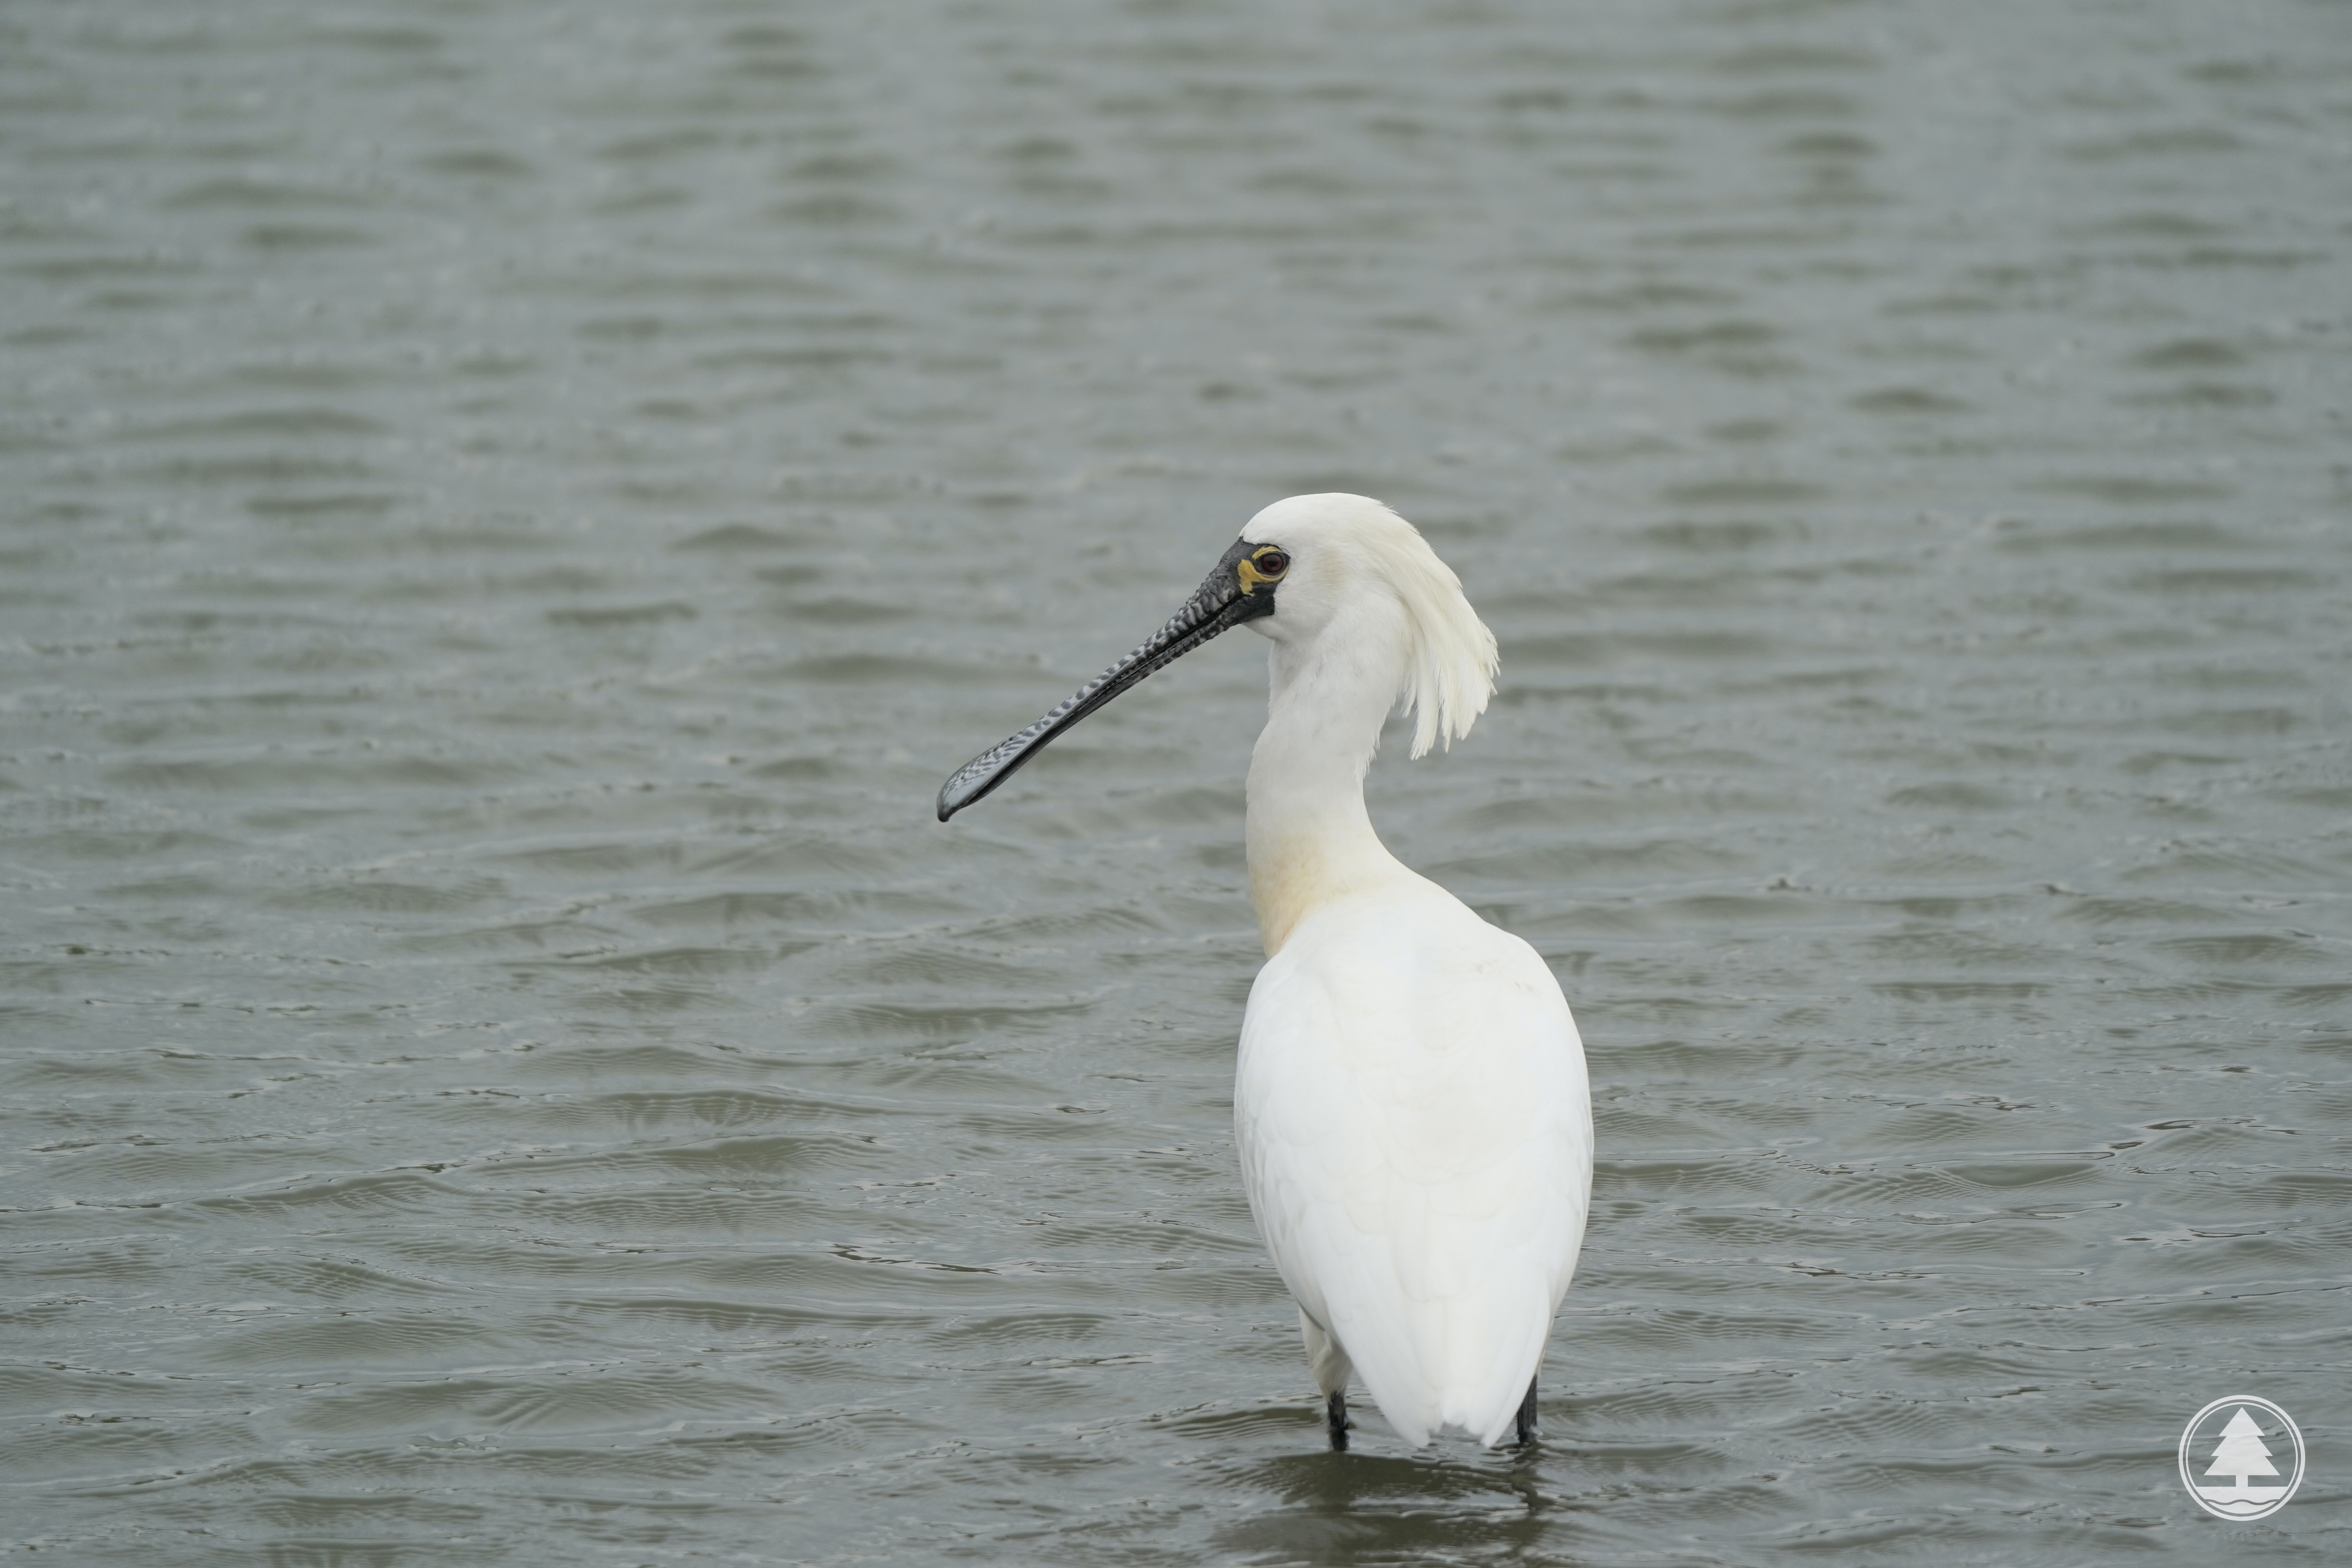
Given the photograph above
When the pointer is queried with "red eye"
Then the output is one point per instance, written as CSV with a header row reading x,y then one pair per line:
x,y
1271,563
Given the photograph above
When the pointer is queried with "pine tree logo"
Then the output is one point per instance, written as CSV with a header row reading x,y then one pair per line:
x,y
2231,1456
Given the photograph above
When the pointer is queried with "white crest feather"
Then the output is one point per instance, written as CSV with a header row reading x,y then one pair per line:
x,y
1450,672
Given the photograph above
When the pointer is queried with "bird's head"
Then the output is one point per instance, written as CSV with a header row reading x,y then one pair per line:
x,y
1306,570
1364,583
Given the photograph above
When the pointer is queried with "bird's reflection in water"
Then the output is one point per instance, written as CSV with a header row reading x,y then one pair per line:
x,y
1365,1508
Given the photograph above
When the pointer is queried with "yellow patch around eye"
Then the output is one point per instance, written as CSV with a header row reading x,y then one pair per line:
x,y
1251,576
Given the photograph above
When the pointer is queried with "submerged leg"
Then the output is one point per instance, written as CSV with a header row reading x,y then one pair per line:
x,y
1331,1369
1527,1415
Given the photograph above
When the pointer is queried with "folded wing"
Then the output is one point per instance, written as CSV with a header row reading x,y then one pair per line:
x,y
1415,1132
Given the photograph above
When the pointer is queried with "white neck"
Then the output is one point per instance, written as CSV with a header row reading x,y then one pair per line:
x,y
1310,839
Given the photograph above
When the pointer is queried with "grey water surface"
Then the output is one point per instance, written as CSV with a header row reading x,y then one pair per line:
x,y
508,512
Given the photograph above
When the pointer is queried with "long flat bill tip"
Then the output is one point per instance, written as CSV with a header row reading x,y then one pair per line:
x,y
961,790
990,768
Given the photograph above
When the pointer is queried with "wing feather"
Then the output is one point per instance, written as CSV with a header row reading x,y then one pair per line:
x,y
1415,1130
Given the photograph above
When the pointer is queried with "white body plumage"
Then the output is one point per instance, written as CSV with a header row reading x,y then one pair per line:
x,y
1416,1139
1411,1106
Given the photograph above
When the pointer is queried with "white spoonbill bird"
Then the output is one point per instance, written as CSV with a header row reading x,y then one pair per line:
x,y
1410,1104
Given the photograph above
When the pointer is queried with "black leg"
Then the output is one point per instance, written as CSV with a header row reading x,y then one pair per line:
x,y
1335,1420
1527,1415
